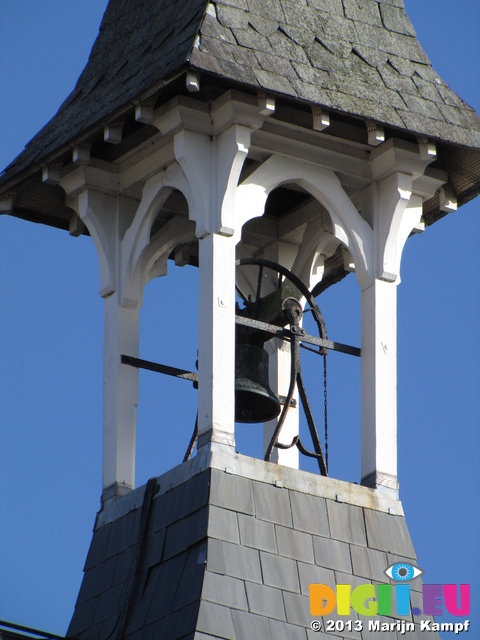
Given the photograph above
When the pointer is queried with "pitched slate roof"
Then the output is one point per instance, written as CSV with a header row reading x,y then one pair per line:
x,y
360,57
356,56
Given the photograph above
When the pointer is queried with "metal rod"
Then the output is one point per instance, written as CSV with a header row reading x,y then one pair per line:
x,y
286,333
192,442
159,368
37,632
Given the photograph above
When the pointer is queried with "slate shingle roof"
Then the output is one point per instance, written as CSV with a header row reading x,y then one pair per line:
x,y
355,56
359,57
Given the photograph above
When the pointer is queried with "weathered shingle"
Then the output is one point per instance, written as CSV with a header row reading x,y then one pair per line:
x,y
141,44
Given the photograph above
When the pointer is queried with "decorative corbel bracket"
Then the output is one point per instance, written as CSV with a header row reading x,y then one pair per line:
x,y
393,224
212,168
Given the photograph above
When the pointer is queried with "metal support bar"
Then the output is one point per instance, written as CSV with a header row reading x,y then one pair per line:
x,y
159,368
279,332
30,630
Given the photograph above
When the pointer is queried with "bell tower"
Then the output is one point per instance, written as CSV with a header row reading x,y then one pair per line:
x,y
277,160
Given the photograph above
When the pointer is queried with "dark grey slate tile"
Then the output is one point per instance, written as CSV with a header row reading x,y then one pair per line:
x,y
309,513
96,580
263,25
211,27
82,618
310,75
428,90
274,64
224,590
397,82
294,544
258,534
267,8
251,39
422,107
189,583
309,15
222,524
94,633
195,494
186,532
233,560
137,615
123,565
239,4
306,91
229,16
388,533
454,115
368,563
286,48
109,604
319,635
152,550
311,574
408,47
450,97
215,48
123,533
248,625
272,504
346,522
371,55
348,578
98,547
177,625
334,6
395,19
215,620
365,11
332,554
297,609
279,572
245,57
284,631
165,587
215,557
165,509
265,601
231,492
273,82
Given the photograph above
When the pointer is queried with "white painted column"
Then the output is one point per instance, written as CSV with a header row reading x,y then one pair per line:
x,y
379,385
216,341
120,397
394,213
212,166
279,374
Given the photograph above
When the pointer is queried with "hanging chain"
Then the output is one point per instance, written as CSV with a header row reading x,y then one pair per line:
x,y
325,406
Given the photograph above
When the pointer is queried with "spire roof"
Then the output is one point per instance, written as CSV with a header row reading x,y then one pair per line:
x,y
359,58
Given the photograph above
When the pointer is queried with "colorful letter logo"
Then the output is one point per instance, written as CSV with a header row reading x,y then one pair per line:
x,y
367,600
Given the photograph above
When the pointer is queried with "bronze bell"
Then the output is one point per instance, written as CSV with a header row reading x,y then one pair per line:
x,y
254,400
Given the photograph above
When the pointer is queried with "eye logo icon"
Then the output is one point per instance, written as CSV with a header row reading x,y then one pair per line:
x,y
403,572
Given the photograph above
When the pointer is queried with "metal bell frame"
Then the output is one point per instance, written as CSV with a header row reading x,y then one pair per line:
x,y
296,336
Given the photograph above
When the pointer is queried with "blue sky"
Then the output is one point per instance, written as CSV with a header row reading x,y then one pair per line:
x,y
51,331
